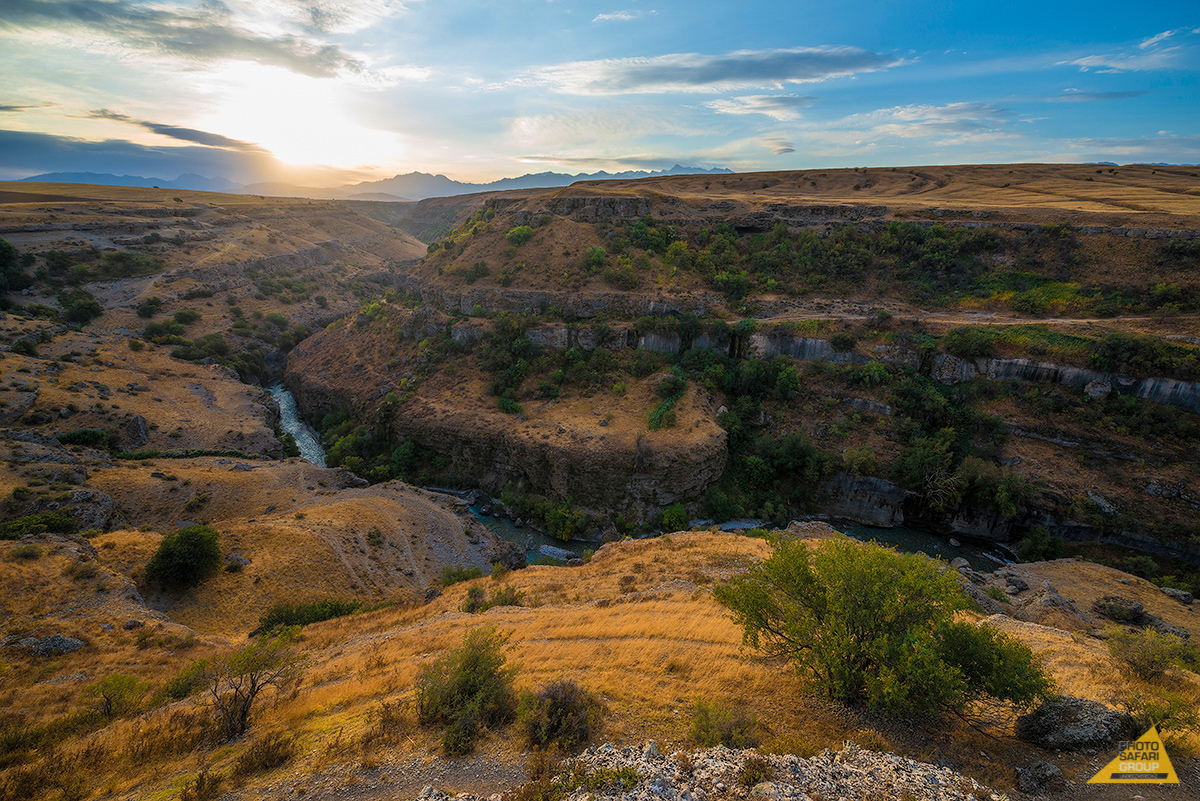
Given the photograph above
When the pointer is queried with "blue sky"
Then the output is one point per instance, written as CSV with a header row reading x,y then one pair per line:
x,y
330,91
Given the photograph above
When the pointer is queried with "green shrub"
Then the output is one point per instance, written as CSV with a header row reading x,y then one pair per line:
x,y
1147,654
969,342
88,437
509,406
842,342
452,574
39,523
187,682
675,517
868,625
285,614
561,714
1039,545
718,723
186,316
185,559
520,235
467,689
117,695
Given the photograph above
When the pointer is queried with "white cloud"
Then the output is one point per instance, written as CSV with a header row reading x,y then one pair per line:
x,y
622,16
695,72
779,107
1153,40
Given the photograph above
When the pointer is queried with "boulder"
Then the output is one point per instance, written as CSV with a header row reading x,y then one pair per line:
x,y
1099,389
56,644
1114,607
1046,606
1182,596
1065,723
1041,778
135,433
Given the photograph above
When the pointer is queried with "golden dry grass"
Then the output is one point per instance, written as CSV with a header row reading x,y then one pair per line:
x,y
637,625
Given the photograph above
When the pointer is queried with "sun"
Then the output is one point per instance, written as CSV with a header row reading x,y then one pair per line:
x,y
300,119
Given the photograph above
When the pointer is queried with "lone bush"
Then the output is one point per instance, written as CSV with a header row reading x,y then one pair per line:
x,y
185,559
675,517
717,723
872,626
561,713
520,235
467,689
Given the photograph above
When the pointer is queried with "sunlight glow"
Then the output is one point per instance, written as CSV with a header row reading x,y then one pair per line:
x,y
300,119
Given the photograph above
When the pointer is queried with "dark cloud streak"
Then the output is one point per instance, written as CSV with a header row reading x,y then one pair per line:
x,y
177,132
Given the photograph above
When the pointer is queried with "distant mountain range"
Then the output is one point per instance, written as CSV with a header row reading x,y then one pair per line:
x,y
413,186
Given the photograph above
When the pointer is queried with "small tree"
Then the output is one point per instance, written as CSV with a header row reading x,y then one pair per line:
x,y
117,694
869,625
234,682
185,558
675,517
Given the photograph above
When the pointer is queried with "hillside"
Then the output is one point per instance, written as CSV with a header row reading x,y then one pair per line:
x,y
1005,354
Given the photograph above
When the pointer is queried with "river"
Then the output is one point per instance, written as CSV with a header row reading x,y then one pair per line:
x,y
290,422
982,557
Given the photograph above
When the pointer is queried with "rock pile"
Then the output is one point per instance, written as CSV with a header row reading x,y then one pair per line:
x,y
719,772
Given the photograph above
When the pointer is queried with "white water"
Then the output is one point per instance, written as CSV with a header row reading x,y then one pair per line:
x,y
289,421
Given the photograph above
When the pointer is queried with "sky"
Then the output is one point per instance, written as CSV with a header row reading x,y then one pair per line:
x,y
326,92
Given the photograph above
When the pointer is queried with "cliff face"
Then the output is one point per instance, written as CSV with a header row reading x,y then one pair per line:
x,y
595,450
565,450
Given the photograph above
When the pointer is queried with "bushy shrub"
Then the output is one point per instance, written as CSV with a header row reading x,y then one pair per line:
x,y
286,614
185,559
1147,654
675,517
39,523
117,694
453,574
519,235
718,723
467,689
868,625
560,714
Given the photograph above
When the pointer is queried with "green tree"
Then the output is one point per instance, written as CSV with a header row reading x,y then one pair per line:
x,y
185,559
869,625
117,694
236,681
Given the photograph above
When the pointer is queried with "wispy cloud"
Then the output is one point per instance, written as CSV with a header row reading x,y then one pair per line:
x,y
695,72
17,109
622,16
1148,57
925,121
779,107
176,131
1153,40
208,32
1076,96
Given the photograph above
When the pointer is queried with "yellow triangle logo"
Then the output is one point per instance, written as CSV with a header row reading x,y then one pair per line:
x,y
1142,762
